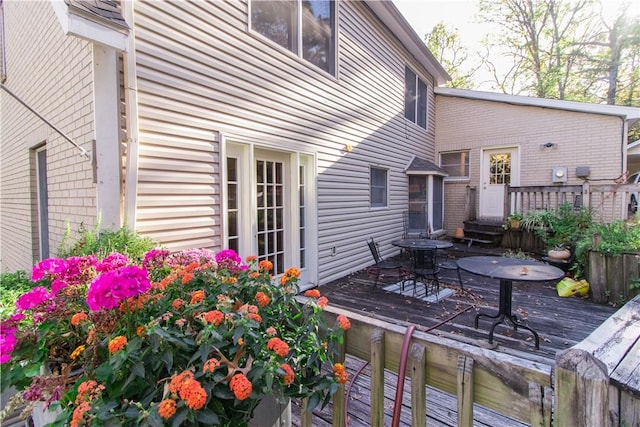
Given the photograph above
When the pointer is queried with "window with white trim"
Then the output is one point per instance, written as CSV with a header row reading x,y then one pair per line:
x,y
306,28
378,185
456,163
415,98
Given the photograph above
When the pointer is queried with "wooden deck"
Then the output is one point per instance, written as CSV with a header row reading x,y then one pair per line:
x,y
560,322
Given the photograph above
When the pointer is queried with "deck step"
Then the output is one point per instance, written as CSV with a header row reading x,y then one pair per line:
x,y
484,232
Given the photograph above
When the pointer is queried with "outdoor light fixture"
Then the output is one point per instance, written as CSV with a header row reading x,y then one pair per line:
x,y
559,174
548,145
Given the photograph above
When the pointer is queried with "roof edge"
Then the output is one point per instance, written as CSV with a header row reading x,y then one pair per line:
x,y
631,114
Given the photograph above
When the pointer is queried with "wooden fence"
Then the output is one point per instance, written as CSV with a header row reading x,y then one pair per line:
x,y
608,202
596,382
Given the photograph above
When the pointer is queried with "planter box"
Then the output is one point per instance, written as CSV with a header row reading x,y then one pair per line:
x,y
610,276
524,240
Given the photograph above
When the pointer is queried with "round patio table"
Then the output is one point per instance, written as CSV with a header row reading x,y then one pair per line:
x,y
422,244
508,270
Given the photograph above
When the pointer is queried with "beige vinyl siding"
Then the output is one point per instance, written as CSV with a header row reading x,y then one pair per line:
x,y
53,74
201,71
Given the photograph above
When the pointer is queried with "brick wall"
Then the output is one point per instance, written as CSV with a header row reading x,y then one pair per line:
x,y
52,73
581,140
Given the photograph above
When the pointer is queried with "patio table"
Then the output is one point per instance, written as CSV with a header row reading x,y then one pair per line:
x,y
508,270
422,244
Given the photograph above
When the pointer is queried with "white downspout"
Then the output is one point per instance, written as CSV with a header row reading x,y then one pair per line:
x,y
131,109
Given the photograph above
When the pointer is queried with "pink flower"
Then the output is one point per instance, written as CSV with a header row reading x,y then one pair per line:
x,y
113,261
154,258
33,298
111,287
228,259
7,343
47,266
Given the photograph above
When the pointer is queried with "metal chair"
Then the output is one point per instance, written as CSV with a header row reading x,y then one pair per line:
x,y
451,264
424,266
382,266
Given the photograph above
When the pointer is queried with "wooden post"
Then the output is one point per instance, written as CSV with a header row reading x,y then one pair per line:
x,y
597,273
586,194
339,402
540,401
306,419
581,390
465,390
377,378
418,369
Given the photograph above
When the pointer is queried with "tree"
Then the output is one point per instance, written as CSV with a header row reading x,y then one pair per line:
x,y
445,45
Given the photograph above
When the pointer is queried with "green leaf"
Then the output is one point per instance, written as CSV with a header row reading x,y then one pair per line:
x,y
207,417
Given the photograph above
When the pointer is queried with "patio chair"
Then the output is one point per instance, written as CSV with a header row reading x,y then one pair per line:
x,y
382,267
424,266
451,264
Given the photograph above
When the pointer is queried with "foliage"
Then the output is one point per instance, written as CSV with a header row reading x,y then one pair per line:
x,y
181,339
519,254
12,285
536,221
103,242
567,225
445,45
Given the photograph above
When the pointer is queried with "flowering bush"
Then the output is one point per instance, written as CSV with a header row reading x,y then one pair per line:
x,y
182,339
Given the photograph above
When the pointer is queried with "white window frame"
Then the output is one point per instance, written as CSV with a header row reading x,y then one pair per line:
x,y
416,98
42,197
297,48
385,189
454,168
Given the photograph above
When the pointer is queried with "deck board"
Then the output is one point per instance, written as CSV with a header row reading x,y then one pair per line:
x,y
561,323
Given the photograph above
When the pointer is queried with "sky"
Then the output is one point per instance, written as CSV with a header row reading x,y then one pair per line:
x,y
423,15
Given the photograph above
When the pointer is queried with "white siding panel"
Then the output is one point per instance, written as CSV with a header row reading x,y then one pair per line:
x,y
200,70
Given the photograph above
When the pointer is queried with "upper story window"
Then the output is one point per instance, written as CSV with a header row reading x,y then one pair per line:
x,y
415,98
456,163
306,28
378,183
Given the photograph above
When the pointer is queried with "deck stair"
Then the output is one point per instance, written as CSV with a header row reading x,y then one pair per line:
x,y
484,231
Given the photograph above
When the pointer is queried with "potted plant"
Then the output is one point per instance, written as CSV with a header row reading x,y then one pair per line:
x,y
513,220
182,339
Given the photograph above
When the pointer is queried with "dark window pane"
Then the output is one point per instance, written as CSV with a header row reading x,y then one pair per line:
x,y
318,33
421,112
409,94
232,172
233,224
232,195
275,20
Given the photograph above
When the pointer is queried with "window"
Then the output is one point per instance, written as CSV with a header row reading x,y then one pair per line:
x,y
415,98
233,228
456,163
378,181
306,28
42,195
426,202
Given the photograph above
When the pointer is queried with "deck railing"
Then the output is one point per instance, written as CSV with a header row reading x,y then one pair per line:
x,y
608,202
594,382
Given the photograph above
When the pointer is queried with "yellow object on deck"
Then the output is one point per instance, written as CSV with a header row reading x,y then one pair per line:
x,y
568,287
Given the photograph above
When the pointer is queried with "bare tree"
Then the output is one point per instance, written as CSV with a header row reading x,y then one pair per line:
x,y
445,45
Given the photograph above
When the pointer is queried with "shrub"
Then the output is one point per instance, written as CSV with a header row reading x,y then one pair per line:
x,y
12,285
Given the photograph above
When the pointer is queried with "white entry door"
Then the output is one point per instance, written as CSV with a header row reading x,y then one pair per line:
x,y
500,167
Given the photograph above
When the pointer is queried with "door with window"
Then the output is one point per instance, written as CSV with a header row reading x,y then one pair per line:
x,y
500,168
268,208
426,205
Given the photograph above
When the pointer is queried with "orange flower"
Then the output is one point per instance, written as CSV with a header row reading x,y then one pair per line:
x,y
323,302
254,316
197,296
262,299
177,380
340,373
251,258
140,331
240,386
193,394
77,352
91,336
343,322
265,264
240,341
88,390
278,346
289,376
290,274
78,318
177,303
254,275
117,344
167,408
214,316
186,278
271,331
312,293
210,365
78,414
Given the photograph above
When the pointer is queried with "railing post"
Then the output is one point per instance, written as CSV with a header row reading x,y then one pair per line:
x,y
581,390
377,378
540,402
418,369
465,390
306,417
339,401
